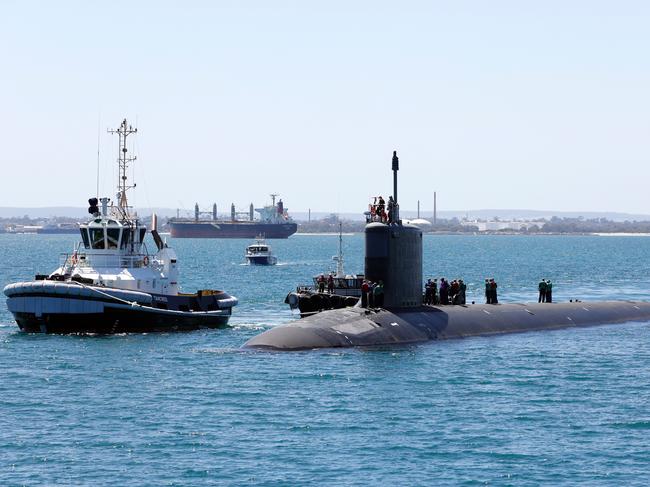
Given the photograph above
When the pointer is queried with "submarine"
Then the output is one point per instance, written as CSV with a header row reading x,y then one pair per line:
x,y
393,254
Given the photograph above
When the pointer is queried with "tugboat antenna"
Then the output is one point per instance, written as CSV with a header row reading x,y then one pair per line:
x,y
123,132
99,121
339,261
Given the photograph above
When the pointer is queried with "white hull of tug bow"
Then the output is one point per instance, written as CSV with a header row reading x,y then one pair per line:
x,y
111,282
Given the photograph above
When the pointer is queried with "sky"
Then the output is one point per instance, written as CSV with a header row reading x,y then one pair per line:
x,y
500,104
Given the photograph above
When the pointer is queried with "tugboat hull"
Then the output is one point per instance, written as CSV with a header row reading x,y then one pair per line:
x,y
57,307
311,302
120,320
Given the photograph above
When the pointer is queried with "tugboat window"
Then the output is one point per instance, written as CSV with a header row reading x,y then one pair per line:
x,y
96,238
113,237
84,237
126,238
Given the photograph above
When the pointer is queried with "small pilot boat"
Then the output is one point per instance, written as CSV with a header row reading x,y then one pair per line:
x,y
112,282
259,253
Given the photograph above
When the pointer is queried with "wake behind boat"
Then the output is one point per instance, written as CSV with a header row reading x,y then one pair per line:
x,y
111,283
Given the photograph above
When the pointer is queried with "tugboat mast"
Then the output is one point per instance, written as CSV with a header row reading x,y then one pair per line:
x,y
339,258
123,132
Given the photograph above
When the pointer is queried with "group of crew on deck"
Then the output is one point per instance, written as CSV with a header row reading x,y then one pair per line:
x,y
443,292
323,281
372,294
491,292
545,287
453,292
380,211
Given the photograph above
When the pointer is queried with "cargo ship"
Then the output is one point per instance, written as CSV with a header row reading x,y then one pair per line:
x,y
273,222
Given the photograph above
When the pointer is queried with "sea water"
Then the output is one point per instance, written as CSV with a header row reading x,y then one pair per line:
x,y
556,408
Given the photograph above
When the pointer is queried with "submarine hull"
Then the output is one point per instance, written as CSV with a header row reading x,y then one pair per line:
x,y
359,327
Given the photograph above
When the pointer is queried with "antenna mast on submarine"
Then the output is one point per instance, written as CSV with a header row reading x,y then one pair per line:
x,y
123,132
395,169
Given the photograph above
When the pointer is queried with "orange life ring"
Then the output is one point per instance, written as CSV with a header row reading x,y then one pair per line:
x,y
145,261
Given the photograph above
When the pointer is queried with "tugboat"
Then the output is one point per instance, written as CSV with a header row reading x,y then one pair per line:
x,y
111,283
260,253
346,289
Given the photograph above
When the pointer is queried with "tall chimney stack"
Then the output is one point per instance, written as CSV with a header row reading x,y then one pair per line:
x,y
435,209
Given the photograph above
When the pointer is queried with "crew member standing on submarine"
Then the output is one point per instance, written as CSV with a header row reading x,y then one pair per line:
x,y
549,291
493,289
391,209
428,291
378,294
365,288
381,205
444,291
542,291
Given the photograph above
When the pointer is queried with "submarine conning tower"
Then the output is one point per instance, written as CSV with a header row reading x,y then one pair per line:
x,y
394,255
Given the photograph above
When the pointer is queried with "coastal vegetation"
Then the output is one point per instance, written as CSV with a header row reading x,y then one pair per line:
x,y
553,225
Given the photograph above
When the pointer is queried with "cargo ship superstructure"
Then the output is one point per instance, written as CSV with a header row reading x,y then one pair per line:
x,y
273,222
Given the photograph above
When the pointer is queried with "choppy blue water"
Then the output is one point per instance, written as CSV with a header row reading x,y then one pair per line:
x,y
557,408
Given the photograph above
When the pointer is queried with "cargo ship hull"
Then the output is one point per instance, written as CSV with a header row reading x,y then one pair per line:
x,y
215,229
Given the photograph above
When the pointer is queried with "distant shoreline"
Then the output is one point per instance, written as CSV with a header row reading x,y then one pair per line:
x,y
480,234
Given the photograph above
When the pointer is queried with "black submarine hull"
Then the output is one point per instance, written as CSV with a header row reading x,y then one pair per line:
x,y
360,327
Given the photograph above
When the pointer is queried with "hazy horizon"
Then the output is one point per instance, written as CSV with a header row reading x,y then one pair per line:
x,y
302,215
493,105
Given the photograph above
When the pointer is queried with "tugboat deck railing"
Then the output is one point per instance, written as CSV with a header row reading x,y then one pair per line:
x,y
87,261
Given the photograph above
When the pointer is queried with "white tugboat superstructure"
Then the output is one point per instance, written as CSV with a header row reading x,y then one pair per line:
x,y
113,282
